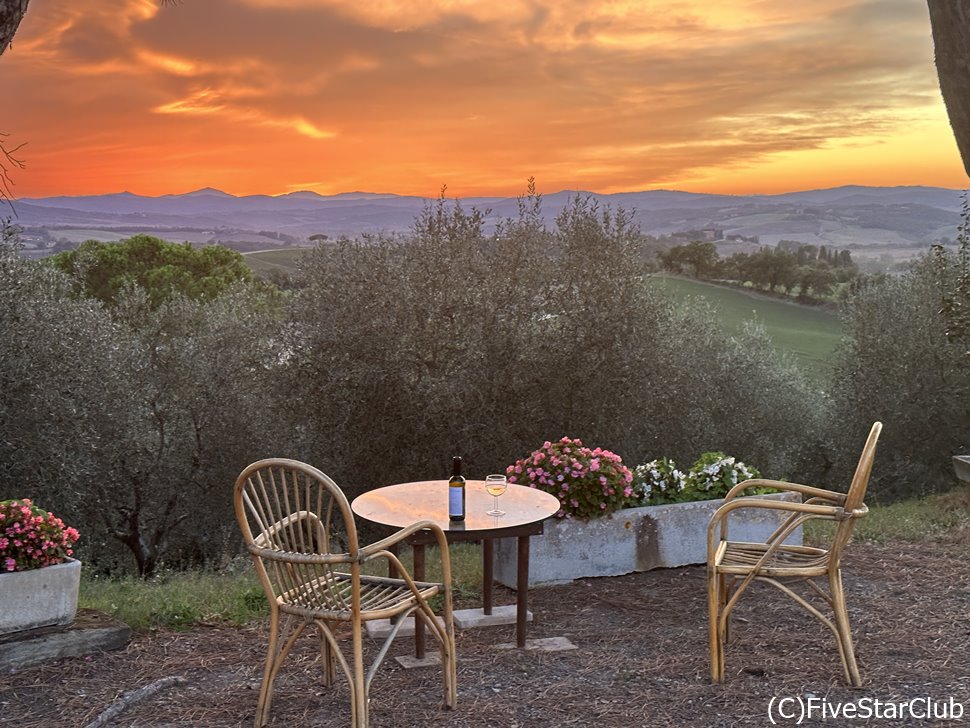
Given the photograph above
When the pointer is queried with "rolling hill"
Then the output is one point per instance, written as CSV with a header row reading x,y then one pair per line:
x,y
869,220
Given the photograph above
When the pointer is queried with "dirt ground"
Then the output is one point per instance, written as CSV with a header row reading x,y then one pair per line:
x,y
641,660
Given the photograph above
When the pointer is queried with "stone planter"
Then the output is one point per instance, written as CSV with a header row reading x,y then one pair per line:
x,y
633,539
39,597
961,466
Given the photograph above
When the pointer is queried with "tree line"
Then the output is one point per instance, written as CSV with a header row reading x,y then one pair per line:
x,y
794,268
131,399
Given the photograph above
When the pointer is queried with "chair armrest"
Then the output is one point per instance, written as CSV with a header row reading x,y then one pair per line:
x,y
808,490
380,548
811,510
370,550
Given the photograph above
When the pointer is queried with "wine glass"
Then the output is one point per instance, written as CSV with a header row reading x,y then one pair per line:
x,y
495,485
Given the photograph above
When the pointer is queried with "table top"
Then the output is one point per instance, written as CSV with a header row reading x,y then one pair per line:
x,y
402,504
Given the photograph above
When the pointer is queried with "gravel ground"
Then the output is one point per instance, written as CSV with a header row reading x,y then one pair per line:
x,y
641,660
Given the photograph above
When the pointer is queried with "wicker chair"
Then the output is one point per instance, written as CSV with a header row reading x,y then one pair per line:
x,y
732,566
300,532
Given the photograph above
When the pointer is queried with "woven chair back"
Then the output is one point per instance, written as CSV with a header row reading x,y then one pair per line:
x,y
855,499
298,525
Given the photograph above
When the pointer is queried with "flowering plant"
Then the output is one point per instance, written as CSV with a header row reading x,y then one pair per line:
x,y
658,481
587,482
30,537
712,476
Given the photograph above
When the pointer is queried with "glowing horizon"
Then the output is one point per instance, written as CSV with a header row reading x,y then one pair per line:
x,y
271,97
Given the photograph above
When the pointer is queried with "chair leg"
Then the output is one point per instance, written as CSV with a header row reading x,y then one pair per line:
x,y
275,654
266,689
449,667
846,650
715,636
358,683
724,591
327,659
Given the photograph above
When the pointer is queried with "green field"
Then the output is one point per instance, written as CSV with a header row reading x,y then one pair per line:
x,y
284,259
809,334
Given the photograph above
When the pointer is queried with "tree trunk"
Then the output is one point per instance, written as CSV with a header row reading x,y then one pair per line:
x,y
950,20
11,13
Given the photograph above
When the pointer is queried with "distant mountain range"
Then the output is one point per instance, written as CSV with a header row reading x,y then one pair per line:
x,y
873,220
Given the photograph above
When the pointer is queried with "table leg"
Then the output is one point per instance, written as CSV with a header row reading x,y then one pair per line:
x,y
522,590
418,552
487,575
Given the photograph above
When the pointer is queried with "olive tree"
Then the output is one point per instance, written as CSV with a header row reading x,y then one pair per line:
x,y
198,408
133,421
459,340
62,382
896,365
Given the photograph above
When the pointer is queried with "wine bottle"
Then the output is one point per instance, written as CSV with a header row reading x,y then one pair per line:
x,y
456,492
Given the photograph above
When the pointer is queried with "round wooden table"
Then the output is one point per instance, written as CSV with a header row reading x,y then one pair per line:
x,y
400,505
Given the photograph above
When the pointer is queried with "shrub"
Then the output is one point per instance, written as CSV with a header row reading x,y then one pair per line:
x,y
897,366
658,481
712,476
31,538
588,482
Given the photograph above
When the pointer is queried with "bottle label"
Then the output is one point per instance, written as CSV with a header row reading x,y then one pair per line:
x,y
455,501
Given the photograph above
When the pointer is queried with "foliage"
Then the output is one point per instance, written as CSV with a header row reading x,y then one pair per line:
x,y
31,538
197,406
896,365
714,474
132,420
913,520
813,270
657,482
388,356
228,591
164,270
588,482
952,273
810,334
711,476
696,258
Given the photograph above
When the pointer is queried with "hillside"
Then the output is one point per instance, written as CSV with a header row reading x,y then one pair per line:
x,y
871,221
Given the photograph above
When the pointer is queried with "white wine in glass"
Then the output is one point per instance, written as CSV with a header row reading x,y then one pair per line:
x,y
495,485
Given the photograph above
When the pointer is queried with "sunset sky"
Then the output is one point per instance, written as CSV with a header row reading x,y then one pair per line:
x,y
273,96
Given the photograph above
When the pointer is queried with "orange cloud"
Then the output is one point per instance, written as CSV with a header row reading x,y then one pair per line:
x,y
407,95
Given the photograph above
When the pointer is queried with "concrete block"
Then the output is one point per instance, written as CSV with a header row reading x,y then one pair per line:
x,y
632,539
473,618
409,662
39,597
543,644
380,628
961,466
